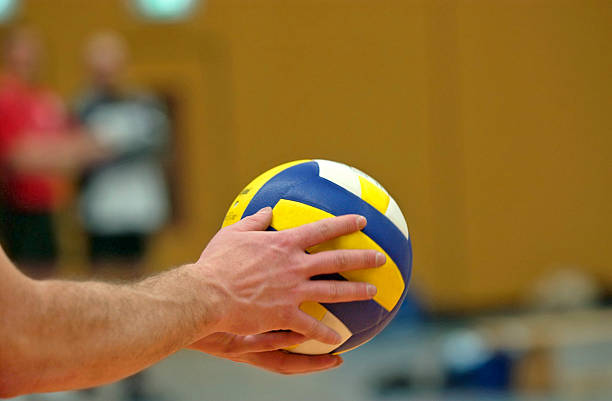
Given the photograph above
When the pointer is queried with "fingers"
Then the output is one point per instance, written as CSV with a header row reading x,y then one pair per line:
x,y
270,341
324,230
343,260
312,328
255,222
337,291
290,364
227,344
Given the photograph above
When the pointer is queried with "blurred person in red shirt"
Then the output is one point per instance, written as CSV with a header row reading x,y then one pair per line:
x,y
37,148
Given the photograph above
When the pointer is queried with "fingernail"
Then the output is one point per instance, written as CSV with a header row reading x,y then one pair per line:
x,y
337,339
361,222
380,259
265,210
372,290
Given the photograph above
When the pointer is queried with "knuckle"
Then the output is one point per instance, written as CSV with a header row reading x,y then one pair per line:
x,y
301,263
348,224
342,259
226,230
354,290
294,294
314,327
348,292
284,366
352,225
333,291
248,220
370,258
229,346
324,228
362,290
285,239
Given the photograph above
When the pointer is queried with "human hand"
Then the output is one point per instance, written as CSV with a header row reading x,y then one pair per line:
x,y
259,278
262,350
82,150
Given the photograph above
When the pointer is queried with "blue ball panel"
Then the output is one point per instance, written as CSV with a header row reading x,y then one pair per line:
x,y
357,316
360,337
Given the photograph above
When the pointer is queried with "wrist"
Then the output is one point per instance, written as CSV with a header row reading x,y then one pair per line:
x,y
211,298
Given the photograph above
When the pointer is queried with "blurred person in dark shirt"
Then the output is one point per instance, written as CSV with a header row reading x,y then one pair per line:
x,y
124,199
37,149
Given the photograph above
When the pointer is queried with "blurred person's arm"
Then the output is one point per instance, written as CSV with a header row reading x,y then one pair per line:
x,y
35,153
58,335
145,130
58,148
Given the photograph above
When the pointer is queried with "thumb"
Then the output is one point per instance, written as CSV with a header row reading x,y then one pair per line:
x,y
256,222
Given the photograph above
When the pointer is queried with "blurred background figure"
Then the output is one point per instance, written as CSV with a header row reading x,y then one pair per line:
x,y
123,200
37,149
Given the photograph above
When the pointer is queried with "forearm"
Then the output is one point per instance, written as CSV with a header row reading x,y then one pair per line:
x,y
77,335
57,154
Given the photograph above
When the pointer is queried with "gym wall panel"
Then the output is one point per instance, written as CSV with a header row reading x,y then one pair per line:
x,y
488,122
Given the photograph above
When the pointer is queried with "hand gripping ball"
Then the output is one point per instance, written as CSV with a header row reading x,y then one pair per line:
x,y
305,191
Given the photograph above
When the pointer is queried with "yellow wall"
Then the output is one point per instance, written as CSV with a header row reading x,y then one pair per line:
x,y
489,122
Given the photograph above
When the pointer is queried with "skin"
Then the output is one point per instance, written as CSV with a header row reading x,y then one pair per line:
x,y
105,57
59,335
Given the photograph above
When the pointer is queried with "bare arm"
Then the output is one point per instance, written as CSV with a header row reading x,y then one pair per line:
x,y
63,335
57,335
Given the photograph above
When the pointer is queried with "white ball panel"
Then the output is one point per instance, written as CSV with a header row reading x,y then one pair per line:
x,y
340,174
396,216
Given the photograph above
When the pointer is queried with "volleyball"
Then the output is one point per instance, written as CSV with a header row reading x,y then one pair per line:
x,y
305,191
